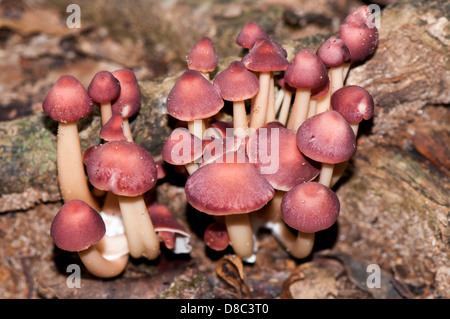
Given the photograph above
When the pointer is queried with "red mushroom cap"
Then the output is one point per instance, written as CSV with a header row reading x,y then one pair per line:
x,y
215,148
104,87
228,186
327,138
202,57
113,129
286,166
306,71
122,167
249,34
282,83
129,100
310,207
333,52
193,98
67,100
265,57
320,90
360,37
236,82
216,236
354,103
77,226
181,147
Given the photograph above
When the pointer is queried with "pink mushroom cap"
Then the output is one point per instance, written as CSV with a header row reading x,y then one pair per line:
x,y
122,167
193,98
327,138
306,71
104,87
310,207
265,57
249,34
128,102
113,129
203,56
333,52
216,236
354,103
67,100
236,82
77,226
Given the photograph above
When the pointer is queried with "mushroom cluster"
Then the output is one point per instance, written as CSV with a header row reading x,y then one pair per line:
x,y
273,166
106,217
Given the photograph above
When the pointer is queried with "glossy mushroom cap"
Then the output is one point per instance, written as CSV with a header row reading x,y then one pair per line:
x,y
181,147
310,207
128,102
306,71
327,138
249,34
228,186
333,52
77,226
354,103
236,82
113,129
193,98
104,87
360,36
202,57
67,100
265,57
274,152
216,236
122,167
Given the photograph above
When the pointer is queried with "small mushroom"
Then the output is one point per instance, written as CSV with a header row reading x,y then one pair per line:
x,y
104,88
113,129
251,32
222,188
174,236
309,207
264,57
305,72
326,138
128,102
216,236
127,170
77,227
203,57
237,84
67,102
192,99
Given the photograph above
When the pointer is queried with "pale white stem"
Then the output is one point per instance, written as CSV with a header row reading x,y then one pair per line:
x,y
323,103
345,70
279,100
73,182
101,267
326,173
196,128
106,112
271,112
260,102
241,234
312,107
127,130
141,235
337,79
240,122
285,107
299,110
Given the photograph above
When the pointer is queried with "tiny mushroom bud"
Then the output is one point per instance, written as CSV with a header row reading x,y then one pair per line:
x,y
309,208
305,72
192,99
104,88
327,138
221,188
77,228
216,236
113,129
203,57
237,84
128,102
67,102
127,170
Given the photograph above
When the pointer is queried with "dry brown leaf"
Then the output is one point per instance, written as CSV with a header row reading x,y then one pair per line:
x,y
231,269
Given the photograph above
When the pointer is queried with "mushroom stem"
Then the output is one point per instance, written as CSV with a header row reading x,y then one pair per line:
x,y
141,235
127,130
260,101
196,128
271,111
72,179
326,174
100,266
106,112
240,123
312,108
241,234
299,110
285,106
